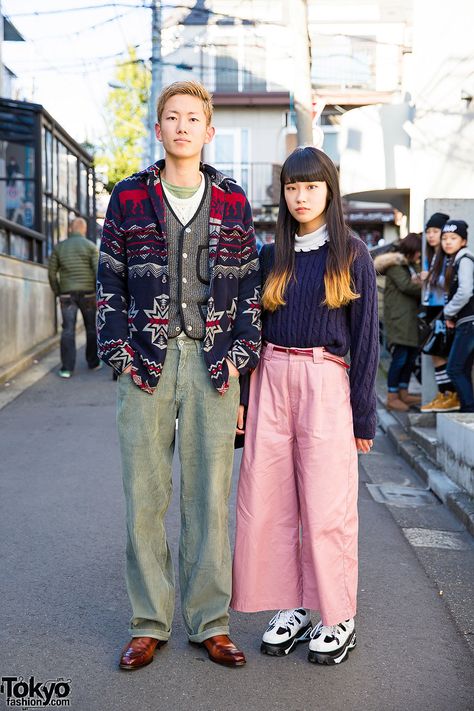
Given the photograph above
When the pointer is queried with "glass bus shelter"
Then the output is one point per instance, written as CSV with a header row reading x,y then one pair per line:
x,y
46,178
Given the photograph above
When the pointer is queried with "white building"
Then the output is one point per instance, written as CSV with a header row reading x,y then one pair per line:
x,y
421,147
244,54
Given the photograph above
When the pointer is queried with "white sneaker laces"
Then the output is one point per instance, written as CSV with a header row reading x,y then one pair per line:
x,y
328,630
283,618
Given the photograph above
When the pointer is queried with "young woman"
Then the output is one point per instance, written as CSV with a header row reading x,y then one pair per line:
x,y
296,539
434,268
459,310
401,301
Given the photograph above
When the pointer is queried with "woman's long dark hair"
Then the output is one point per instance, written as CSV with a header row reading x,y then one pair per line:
x,y
430,253
308,164
437,267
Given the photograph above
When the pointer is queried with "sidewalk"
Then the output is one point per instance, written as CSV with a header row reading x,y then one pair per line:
x,y
65,608
416,438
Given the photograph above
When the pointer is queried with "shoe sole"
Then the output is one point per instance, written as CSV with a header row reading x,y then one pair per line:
x,y
284,648
221,662
129,667
134,667
444,409
336,657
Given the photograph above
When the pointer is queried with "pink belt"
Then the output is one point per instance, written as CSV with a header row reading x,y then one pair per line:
x,y
308,353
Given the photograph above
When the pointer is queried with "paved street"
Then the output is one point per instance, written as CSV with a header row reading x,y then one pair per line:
x,y
65,610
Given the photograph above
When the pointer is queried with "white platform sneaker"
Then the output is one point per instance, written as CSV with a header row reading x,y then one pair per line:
x,y
285,630
330,644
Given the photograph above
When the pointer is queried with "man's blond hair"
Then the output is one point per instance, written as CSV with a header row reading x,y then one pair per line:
x,y
189,88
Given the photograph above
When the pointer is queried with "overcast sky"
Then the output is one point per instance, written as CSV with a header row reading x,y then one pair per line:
x,y
69,57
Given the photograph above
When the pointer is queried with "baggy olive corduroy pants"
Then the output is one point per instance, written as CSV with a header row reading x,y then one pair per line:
x,y
206,430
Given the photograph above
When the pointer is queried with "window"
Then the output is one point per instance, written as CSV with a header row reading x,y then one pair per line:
x,y
72,180
343,61
230,154
227,73
17,167
63,221
240,65
62,174
83,188
48,174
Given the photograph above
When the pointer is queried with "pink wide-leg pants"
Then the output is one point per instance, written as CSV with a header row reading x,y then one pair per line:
x,y
297,523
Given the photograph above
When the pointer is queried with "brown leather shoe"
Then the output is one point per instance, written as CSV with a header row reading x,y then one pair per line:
x,y
222,650
394,403
139,652
409,398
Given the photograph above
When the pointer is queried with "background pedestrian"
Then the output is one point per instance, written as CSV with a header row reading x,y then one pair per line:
x,y
434,299
401,301
459,310
72,273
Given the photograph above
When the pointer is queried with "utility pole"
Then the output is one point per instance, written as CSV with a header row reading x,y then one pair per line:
x,y
156,76
297,18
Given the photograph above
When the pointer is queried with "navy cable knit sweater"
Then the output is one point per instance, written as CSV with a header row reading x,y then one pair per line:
x,y
305,323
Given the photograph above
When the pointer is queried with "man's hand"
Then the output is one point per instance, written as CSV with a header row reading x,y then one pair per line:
x,y
233,372
364,445
450,324
127,370
240,420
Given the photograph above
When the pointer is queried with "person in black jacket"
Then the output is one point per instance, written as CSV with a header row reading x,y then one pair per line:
x,y
459,311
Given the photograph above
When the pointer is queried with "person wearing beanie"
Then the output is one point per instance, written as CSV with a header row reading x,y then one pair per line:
x,y
459,309
434,268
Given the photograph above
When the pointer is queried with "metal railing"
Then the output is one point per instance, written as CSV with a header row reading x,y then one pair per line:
x,y
21,242
259,180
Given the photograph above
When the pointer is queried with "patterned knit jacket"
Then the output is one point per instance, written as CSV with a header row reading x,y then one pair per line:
x,y
133,291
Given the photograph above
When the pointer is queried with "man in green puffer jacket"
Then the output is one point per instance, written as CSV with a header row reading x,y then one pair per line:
x,y
72,276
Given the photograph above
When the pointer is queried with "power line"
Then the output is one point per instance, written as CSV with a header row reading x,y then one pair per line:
x,y
62,11
83,30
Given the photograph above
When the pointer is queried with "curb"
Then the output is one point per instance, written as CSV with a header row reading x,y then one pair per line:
x,y
457,500
31,368
35,354
38,352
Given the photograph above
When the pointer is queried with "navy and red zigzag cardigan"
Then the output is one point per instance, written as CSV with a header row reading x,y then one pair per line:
x,y
133,281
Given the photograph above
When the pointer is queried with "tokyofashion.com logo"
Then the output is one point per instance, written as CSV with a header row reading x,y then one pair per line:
x,y
29,693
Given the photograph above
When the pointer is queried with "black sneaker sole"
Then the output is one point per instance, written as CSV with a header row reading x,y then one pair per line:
x,y
284,648
336,657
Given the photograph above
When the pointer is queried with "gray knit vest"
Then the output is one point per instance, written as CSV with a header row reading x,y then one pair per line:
x,y
188,263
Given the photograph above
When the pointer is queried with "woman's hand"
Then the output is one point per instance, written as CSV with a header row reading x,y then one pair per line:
x,y
423,275
233,372
450,324
240,420
127,370
364,445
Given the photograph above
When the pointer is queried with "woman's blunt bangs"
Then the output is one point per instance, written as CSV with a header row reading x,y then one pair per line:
x,y
304,165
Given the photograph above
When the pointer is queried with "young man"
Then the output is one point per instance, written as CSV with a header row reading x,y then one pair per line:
x,y
72,273
179,320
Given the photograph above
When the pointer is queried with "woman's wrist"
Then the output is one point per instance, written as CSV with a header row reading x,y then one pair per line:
x,y
233,372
